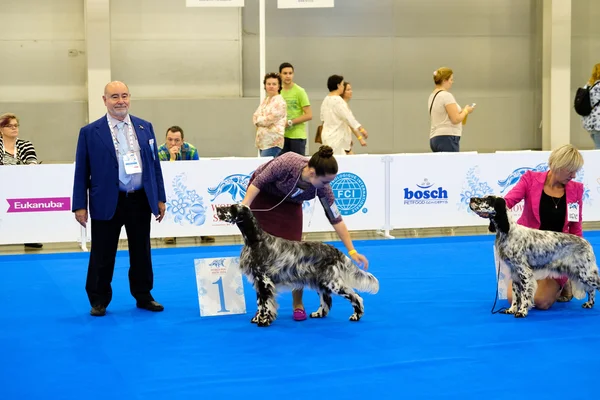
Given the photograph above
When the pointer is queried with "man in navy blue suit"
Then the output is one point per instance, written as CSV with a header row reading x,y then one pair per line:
x,y
117,165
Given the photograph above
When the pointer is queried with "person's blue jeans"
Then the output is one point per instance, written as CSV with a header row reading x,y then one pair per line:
x,y
595,135
271,152
445,144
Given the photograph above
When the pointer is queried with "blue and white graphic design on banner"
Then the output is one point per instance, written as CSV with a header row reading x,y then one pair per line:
x,y
305,3
220,286
235,185
359,190
590,177
193,188
425,189
473,187
185,206
511,180
214,3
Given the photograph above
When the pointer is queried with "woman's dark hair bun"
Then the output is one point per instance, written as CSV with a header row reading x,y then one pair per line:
x,y
325,152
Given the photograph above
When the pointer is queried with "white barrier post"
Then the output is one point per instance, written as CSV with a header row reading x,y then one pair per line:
x,y
83,242
261,53
386,160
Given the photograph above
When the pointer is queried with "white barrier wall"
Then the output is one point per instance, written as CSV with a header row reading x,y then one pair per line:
x,y
373,192
433,190
35,204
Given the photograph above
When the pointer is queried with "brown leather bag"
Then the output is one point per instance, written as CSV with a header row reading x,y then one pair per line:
x,y
318,135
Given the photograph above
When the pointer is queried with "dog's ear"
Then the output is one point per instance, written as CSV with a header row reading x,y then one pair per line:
x,y
501,217
492,227
500,205
233,209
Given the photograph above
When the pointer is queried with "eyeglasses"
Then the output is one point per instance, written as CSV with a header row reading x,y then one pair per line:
x,y
11,126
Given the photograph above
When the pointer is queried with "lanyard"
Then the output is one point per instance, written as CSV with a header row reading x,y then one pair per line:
x,y
114,137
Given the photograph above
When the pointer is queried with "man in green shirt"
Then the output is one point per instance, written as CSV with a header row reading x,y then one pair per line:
x,y
298,111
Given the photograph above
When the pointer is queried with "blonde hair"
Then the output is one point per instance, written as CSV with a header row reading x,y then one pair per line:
x,y
595,74
5,119
565,158
442,74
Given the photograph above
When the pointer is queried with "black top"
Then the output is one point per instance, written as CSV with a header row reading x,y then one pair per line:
x,y
553,211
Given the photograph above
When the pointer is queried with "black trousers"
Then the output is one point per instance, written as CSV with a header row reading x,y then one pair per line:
x,y
134,212
294,145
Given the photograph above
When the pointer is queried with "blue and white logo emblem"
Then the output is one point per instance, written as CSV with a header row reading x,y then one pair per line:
x,y
426,193
236,185
514,176
350,193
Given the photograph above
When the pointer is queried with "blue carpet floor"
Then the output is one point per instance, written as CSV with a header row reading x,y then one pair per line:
x,y
428,334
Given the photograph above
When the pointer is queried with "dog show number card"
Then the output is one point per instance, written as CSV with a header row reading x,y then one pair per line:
x,y
220,286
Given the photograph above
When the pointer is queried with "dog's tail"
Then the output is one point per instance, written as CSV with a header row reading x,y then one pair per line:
x,y
363,281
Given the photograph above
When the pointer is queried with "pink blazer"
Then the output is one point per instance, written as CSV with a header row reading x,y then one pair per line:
x,y
530,187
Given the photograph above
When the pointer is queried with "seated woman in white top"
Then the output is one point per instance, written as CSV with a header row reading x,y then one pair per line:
x,y
336,118
446,116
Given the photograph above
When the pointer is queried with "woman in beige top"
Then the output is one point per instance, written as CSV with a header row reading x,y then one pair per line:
x,y
446,116
336,117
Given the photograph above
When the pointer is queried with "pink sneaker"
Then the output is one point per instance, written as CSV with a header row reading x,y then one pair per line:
x,y
299,314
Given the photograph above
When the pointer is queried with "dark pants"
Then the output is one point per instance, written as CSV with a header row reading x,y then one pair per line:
x,y
134,212
294,145
447,144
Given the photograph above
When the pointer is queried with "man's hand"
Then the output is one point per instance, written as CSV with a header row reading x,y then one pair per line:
x,y
81,216
173,151
161,211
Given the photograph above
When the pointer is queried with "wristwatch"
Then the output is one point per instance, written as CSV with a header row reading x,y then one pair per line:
x,y
290,122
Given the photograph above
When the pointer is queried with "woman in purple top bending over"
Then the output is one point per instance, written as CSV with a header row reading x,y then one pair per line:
x,y
281,186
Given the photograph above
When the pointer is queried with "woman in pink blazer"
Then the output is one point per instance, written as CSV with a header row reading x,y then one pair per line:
x,y
547,196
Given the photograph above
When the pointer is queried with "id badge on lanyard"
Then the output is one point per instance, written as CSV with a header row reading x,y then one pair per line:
x,y
130,159
573,212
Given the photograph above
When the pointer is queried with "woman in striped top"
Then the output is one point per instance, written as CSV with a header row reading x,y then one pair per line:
x,y
14,151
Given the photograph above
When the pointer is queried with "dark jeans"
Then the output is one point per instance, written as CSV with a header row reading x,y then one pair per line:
x,y
270,152
447,144
294,145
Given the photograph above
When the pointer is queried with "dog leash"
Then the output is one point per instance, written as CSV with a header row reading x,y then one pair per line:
x,y
282,200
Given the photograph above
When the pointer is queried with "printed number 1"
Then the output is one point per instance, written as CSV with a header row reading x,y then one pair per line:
x,y
219,283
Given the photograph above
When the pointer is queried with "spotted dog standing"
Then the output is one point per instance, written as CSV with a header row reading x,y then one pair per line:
x,y
534,254
270,262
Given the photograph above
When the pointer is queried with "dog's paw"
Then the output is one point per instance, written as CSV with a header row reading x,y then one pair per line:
x,y
587,304
264,321
508,311
318,314
254,319
355,317
520,314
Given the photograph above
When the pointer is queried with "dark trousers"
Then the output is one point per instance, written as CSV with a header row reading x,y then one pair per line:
x,y
445,144
294,145
134,212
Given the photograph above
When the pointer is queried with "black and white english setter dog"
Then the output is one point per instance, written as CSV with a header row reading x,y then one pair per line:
x,y
533,254
270,262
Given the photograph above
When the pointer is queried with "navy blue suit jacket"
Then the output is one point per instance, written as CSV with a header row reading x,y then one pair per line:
x,y
97,169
